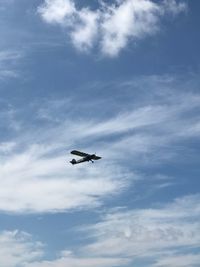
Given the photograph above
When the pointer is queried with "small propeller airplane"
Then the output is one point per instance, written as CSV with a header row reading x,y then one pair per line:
x,y
85,157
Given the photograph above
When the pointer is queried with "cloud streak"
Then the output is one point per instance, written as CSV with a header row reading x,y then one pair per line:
x,y
36,175
8,61
50,184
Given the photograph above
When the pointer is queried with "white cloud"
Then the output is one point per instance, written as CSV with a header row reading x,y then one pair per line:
x,y
77,261
164,236
111,26
131,19
154,233
18,249
84,33
56,11
186,260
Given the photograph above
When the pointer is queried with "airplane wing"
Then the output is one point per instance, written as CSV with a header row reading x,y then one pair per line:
x,y
79,153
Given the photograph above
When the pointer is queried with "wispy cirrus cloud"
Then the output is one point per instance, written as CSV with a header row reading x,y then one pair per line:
x,y
8,60
110,26
37,158
48,183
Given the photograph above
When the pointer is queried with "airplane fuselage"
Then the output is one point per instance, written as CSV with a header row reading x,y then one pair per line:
x,y
87,158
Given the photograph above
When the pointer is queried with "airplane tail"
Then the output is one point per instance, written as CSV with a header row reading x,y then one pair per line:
x,y
73,161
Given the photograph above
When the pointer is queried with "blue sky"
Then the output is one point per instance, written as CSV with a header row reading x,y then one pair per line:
x,y
119,78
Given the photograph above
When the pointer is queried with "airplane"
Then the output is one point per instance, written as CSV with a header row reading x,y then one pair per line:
x,y
85,157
